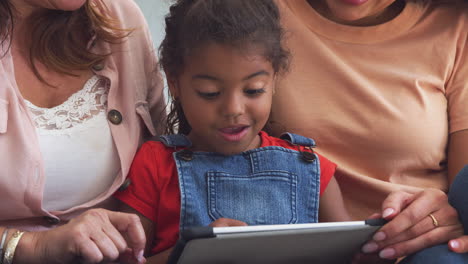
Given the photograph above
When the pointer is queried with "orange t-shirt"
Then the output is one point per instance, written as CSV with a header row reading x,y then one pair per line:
x,y
380,101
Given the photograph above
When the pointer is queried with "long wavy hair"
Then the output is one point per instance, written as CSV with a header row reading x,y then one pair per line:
x,y
238,23
61,37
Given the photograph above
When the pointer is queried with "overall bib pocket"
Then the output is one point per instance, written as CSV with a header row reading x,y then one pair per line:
x,y
267,197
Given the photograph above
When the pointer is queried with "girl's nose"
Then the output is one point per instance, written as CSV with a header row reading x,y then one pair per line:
x,y
233,106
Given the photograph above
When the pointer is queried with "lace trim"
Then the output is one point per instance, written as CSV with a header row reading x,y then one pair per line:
x,y
78,108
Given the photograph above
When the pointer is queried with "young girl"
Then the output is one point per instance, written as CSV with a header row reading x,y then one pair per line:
x,y
221,59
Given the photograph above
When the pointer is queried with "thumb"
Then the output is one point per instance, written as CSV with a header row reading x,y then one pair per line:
x,y
375,216
459,245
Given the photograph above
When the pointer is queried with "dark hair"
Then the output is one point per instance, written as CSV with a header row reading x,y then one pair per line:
x,y
237,23
60,37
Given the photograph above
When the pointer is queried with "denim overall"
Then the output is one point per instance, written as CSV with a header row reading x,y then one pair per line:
x,y
268,185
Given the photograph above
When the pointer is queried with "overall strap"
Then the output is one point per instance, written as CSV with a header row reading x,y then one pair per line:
x,y
298,140
178,140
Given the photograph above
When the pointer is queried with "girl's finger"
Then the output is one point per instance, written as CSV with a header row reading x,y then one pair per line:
x,y
221,222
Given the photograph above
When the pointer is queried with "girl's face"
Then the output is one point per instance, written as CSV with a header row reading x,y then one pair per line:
x,y
361,12
226,96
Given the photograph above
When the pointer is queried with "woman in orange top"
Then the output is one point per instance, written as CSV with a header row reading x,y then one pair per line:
x,y
381,86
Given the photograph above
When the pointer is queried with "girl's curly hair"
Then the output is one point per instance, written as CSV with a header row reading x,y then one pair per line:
x,y
241,24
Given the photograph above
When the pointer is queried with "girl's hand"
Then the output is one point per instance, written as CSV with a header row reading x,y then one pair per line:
x,y
96,236
411,227
222,222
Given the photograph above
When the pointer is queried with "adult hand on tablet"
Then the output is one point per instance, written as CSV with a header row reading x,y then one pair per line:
x,y
373,258
222,222
418,220
96,236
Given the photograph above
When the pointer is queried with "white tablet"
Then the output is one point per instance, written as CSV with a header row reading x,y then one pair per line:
x,y
300,243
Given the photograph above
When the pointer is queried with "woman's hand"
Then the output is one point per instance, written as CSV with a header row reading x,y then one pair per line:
x,y
361,258
96,236
222,222
411,227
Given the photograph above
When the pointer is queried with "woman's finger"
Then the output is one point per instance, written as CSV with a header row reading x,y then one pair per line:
x,y
128,257
375,216
395,203
105,245
428,239
115,236
89,252
131,227
427,224
423,204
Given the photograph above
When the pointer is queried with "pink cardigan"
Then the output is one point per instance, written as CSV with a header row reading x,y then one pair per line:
x,y
136,91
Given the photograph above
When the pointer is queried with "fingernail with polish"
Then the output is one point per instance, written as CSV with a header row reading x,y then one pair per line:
x,y
387,253
139,256
454,244
387,212
370,247
379,236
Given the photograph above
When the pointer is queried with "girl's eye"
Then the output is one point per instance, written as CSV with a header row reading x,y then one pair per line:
x,y
254,92
208,95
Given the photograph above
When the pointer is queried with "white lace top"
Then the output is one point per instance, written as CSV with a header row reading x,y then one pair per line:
x,y
80,158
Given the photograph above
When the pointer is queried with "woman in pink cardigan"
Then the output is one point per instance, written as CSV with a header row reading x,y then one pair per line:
x,y
78,93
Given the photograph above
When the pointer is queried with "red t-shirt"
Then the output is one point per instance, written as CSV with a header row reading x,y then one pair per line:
x,y
154,188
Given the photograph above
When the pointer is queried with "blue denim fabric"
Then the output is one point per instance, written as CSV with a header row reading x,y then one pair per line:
x,y
458,198
269,185
439,254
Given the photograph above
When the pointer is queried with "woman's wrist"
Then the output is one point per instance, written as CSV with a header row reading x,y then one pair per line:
x,y
27,250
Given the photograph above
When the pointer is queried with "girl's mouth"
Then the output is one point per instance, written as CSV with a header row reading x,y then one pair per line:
x,y
355,2
234,133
